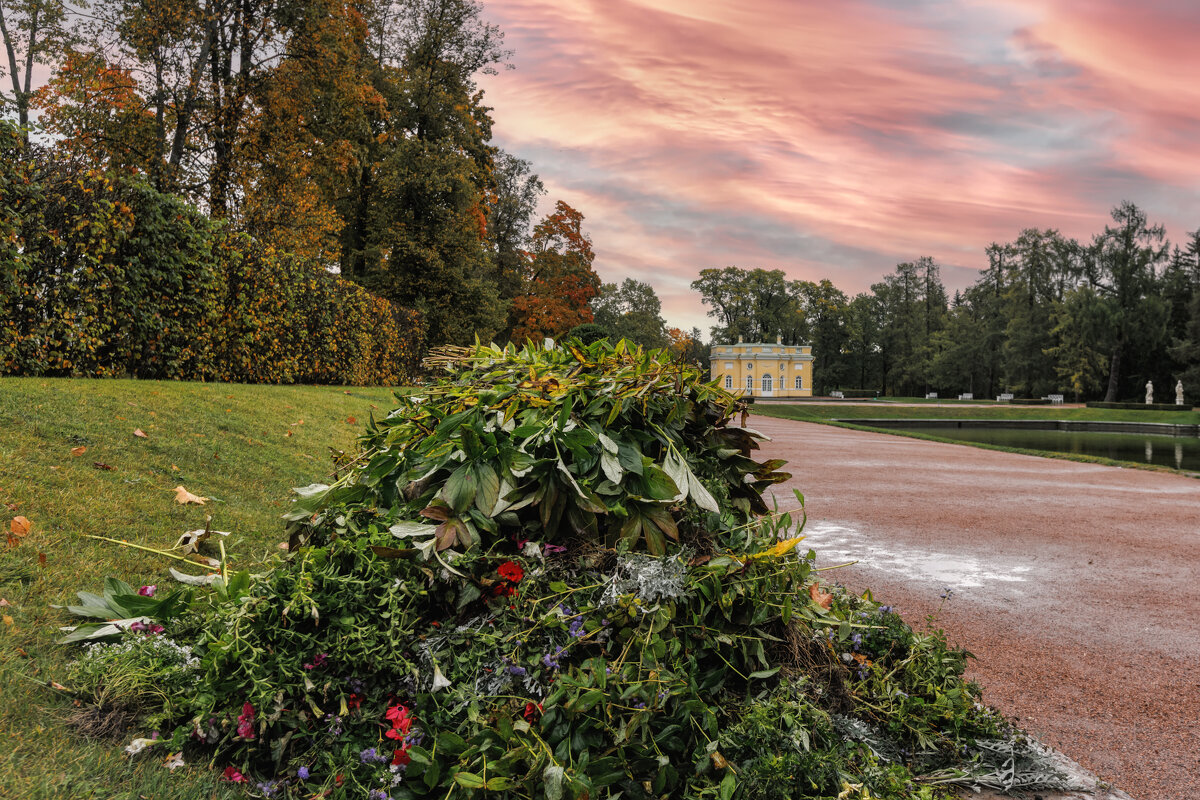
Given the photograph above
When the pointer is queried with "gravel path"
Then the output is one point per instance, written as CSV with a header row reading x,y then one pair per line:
x,y
1077,586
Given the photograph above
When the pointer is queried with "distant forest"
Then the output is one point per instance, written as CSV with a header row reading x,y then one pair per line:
x,y
1089,320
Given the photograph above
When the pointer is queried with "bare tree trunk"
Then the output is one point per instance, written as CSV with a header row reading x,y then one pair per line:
x,y
14,73
1114,373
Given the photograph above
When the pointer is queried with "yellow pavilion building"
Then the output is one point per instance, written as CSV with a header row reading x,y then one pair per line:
x,y
764,370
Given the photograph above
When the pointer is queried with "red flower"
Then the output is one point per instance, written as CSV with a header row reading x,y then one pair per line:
x,y
354,702
533,712
232,775
511,571
401,756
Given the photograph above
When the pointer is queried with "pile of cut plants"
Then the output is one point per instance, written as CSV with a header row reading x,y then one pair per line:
x,y
549,575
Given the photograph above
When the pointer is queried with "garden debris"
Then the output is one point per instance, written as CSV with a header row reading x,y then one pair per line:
x,y
184,497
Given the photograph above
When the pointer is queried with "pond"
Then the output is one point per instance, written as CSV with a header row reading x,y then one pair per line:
x,y
1177,452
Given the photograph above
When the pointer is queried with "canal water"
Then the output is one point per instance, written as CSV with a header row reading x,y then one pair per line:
x,y
1177,452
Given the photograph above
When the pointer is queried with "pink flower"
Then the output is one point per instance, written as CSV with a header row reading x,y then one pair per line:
x,y
147,591
233,776
245,728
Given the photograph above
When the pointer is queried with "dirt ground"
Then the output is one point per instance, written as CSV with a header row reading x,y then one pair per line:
x,y
1076,586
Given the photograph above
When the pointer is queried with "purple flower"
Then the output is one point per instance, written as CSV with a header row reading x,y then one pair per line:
x,y
639,705
856,641
302,773
378,794
267,788
551,549
518,671
369,756
147,591
317,661
576,628
552,660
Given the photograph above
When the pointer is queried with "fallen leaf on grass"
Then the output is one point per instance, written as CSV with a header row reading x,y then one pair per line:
x,y
11,506
289,433
7,620
102,465
183,497
59,686
20,526
76,452
190,541
174,761
823,599
282,545
41,559
4,603
351,420
141,434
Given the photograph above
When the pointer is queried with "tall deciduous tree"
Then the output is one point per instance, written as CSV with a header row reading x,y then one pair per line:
x,y
631,311
558,281
755,304
33,32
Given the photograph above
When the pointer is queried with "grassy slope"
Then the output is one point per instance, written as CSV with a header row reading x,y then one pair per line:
x,y
227,442
827,413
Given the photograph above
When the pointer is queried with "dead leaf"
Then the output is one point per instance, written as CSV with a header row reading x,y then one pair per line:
x,y
351,420
174,761
141,434
102,465
823,599
282,545
20,526
183,497
76,452
190,541
41,559
11,506
59,686
4,603
289,433
174,468
7,619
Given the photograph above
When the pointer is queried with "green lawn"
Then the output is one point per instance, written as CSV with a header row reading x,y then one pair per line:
x,y
230,443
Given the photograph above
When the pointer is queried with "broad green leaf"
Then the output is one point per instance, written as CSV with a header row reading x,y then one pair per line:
x,y
469,780
611,466
659,485
553,777
489,488
460,489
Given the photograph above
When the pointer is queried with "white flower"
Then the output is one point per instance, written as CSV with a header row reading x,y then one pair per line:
x,y
174,760
439,680
138,745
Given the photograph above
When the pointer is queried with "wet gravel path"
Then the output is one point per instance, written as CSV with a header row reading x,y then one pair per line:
x,y
1076,586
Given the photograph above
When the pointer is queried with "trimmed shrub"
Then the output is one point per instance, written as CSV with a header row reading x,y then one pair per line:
x,y
106,276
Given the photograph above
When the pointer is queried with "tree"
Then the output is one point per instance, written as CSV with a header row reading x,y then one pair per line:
x,y
34,32
511,205
1038,265
825,309
631,311
557,278
1122,269
756,304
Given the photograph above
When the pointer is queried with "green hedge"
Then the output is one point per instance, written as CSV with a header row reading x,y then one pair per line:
x,y
1140,406
105,276
1030,401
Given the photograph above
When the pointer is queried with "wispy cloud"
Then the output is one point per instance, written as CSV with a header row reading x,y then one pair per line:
x,y
837,139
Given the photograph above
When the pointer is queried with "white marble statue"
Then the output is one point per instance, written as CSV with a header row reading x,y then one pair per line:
x,y
1149,392
1179,393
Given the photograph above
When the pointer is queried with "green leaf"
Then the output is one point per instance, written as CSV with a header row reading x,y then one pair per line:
x,y
764,673
499,784
469,780
728,786
553,777
489,488
659,485
460,489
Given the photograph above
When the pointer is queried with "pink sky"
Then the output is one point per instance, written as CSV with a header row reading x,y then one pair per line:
x,y
837,139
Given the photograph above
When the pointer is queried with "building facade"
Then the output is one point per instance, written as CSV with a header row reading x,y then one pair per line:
x,y
758,369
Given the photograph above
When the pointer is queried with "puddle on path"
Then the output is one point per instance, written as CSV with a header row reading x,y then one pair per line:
x,y
838,544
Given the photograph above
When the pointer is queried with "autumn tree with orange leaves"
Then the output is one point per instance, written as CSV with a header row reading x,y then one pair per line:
x,y
558,280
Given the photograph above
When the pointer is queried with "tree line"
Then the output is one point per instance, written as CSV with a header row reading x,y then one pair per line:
x,y
1049,314
348,134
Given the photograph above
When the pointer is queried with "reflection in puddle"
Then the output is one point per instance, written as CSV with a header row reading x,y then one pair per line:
x,y
837,544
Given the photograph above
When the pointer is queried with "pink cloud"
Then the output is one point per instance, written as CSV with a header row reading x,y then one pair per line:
x,y
836,139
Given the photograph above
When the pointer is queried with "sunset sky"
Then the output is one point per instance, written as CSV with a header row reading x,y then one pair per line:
x,y
835,139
